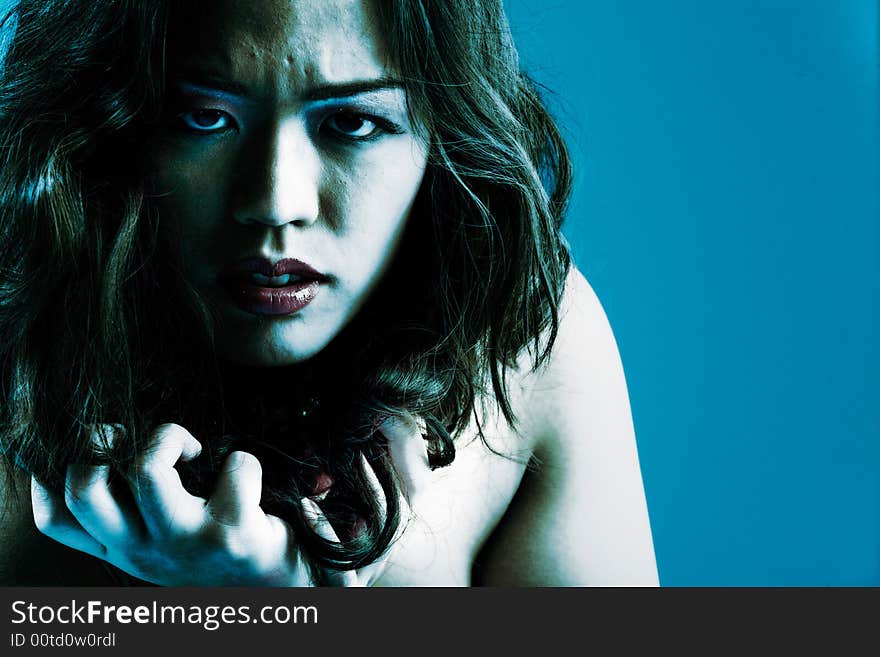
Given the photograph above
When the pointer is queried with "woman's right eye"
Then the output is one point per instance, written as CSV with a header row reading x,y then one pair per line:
x,y
207,121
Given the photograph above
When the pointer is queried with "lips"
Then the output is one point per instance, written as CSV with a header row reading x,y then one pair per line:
x,y
261,287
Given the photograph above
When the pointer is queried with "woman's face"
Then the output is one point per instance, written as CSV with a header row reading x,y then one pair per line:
x,y
289,165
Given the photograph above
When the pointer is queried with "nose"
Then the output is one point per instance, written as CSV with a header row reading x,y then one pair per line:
x,y
279,176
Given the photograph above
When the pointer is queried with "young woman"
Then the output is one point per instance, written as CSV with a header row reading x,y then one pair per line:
x,y
284,301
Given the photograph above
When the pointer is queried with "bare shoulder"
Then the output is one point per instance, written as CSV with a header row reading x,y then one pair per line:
x,y
580,515
583,381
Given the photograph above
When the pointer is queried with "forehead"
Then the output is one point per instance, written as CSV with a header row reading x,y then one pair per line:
x,y
294,43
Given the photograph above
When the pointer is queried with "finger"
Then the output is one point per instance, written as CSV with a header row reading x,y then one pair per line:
x,y
52,518
368,574
409,453
90,496
90,500
238,491
165,505
375,488
281,542
322,527
379,494
104,435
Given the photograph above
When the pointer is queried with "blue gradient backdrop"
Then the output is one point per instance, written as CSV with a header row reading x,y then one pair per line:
x,y
726,212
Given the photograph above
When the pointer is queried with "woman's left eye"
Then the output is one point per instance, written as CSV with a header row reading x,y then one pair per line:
x,y
207,120
352,126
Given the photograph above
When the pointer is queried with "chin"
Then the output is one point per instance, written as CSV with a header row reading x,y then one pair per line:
x,y
261,359
275,346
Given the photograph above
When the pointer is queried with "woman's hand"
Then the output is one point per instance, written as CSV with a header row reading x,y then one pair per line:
x,y
165,535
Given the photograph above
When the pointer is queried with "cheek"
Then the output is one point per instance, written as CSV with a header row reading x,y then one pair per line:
x,y
376,205
190,196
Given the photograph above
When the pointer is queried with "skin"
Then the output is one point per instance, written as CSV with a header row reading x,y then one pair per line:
x,y
282,185
579,519
288,138
168,536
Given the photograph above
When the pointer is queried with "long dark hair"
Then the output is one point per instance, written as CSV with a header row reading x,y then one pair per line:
x,y
96,325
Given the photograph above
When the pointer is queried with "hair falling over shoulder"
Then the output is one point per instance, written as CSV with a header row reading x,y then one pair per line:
x,y
98,327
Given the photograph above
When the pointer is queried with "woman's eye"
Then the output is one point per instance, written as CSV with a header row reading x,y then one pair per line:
x,y
352,126
207,120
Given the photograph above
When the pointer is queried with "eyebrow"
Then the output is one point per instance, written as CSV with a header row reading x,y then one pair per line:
x,y
353,88
212,84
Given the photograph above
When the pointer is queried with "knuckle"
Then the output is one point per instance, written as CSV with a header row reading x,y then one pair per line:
x,y
231,541
72,497
142,461
103,436
43,519
167,428
165,434
77,495
83,479
46,518
142,476
147,481
245,464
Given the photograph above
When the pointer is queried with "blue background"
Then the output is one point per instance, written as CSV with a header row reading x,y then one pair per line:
x,y
726,212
